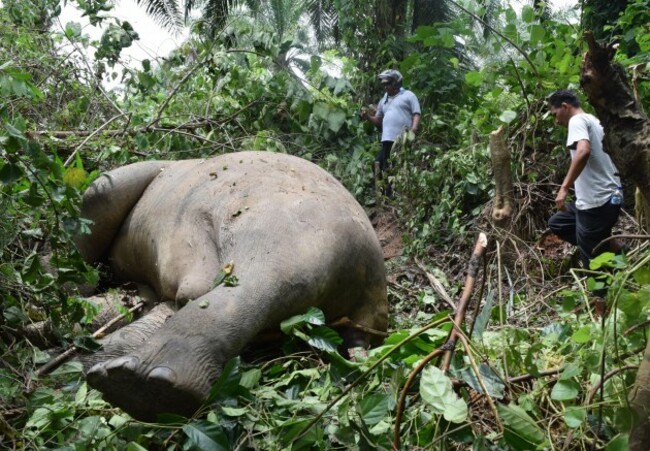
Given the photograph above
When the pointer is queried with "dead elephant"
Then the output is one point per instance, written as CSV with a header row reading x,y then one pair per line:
x,y
297,239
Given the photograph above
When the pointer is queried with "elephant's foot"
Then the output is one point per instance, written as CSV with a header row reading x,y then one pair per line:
x,y
141,395
155,380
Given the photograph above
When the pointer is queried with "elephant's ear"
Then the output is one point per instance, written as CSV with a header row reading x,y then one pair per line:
x,y
107,203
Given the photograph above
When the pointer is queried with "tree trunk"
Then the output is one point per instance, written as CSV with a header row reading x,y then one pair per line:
x,y
504,204
627,128
390,18
627,141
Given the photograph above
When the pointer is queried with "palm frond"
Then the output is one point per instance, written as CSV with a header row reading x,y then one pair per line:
x,y
165,12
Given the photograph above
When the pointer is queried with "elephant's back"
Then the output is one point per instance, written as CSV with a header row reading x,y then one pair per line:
x,y
259,209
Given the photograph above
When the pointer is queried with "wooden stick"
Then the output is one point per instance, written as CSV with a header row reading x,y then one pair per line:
x,y
472,272
344,321
58,360
436,285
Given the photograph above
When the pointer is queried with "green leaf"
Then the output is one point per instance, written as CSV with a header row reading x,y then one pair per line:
x,y
336,119
324,338
491,380
527,14
483,317
619,443
10,173
87,343
312,316
251,378
570,371
508,116
68,369
574,416
603,260
13,131
520,424
228,381
206,436
537,33
582,335
437,391
474,78
565,390
133,446
234,411
374,408
642,275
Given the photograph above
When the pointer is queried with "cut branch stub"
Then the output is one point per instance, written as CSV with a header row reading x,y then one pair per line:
x,y
503,207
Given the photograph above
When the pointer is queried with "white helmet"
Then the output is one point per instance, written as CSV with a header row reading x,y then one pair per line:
x,y
391,75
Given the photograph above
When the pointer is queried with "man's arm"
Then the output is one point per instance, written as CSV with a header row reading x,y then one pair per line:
x,y
578,163
377,120
416,122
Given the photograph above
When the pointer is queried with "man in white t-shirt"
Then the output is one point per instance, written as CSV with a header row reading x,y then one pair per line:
x,y
598,193
398,110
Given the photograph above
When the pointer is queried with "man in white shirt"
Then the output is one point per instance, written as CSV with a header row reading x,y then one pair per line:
x,y
397,111
598,191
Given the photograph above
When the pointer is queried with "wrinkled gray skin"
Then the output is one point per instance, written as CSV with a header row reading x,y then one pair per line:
x,y
297,239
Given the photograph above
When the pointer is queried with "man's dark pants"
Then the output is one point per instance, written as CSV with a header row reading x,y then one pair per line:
x,y
384,155
585,228
382,158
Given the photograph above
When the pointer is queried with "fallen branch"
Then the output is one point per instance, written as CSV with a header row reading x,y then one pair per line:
x,y
472,272
402,397
613,237
58,360
347,322
436,285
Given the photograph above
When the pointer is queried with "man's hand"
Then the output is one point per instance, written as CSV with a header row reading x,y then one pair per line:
x,y
363,114
561,198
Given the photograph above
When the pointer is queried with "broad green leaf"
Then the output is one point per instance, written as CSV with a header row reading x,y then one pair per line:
x,y
373,408
630,304
520,423
133,446
234,411
565,390
321,110
437,390
474,78
619,443
250,378
570,371
68,369
228,381
10,173
483,317
336,119
574,416
602,260
537,33
527,14
493,383
508,116
206,436
13,131
325,339
582,335
74,177
312,316
642,275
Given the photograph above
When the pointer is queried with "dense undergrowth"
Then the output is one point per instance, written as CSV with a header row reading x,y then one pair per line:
x,y
535,346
